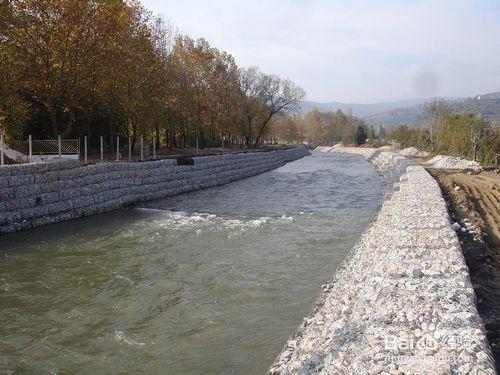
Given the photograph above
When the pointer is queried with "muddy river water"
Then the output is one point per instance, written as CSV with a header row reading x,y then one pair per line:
x,y
208,282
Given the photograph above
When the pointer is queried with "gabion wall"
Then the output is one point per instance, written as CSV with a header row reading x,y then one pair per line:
x,y
37,194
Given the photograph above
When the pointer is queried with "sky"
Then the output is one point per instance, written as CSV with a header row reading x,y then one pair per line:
x,y
356,51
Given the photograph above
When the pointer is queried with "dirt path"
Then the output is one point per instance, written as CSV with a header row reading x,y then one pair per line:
x,y
474,203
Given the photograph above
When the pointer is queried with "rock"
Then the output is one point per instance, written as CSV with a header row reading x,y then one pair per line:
x,y
42,193
451,162
417,272
391,305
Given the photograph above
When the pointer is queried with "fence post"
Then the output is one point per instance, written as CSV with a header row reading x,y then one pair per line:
x,y
142,148
30,146
1,150
197,149
85,148
154,147
117,148
102,149
129,148
59,145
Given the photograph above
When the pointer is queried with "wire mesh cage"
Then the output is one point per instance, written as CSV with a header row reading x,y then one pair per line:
x,y
49,146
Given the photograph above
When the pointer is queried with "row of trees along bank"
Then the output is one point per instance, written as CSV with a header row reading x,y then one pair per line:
x,y
438,130
111,68
441,131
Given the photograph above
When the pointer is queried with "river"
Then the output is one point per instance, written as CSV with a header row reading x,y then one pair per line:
x,y
210,282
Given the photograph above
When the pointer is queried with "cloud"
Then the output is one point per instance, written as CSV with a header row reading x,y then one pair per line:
x,y
355,50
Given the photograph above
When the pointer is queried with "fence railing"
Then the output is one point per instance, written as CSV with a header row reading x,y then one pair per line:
x,y
2,150
50,147
116,149
34,150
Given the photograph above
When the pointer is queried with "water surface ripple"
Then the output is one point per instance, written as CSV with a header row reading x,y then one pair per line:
x,y
208,282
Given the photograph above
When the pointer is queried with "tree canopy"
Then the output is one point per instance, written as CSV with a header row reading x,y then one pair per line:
x,y
111,67
460,134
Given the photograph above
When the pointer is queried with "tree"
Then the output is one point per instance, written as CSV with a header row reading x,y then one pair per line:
x,y
370,134
111,68
261,98
381,132
481,131
434,114
360,135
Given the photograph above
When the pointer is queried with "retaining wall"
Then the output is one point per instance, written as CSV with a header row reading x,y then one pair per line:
x,y
36,194
402,301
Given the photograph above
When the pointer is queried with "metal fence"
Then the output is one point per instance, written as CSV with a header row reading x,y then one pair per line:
x,y
2,150
116,149
56,147
32,150
37,150
44,149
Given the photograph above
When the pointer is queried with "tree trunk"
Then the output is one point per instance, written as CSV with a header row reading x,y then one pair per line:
x,y
111,136
53,120
71,121
134,133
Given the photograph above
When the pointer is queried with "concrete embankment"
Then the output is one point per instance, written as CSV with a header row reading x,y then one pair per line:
x,y
36,194
402,302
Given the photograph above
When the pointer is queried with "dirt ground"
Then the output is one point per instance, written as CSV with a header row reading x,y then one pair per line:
x,y
474,203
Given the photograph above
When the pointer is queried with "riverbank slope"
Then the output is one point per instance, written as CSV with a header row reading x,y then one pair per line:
x,y
403,301
37,194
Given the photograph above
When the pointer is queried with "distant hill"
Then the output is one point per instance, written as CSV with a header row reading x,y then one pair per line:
x,y
360,110
396,117
391,114
488,105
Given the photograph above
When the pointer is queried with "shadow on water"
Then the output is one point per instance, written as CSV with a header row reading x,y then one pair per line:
x,y
211,281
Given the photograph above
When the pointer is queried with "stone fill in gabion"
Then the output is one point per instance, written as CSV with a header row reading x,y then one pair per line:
x,y
414,152
36,194
402,302
452,162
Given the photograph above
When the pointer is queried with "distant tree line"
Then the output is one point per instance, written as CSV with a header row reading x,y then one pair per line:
x,y
320,128
111,68
442,131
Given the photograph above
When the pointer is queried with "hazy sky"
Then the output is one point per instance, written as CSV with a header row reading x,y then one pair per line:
x,y
355,51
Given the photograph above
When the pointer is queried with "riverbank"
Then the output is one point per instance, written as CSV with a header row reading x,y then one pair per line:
x,y
403,301
38,194
474,207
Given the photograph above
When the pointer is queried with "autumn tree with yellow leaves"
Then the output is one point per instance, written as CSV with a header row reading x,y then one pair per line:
x,y
111,68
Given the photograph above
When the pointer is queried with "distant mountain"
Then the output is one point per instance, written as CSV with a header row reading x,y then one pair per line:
x,y
396,117
361,110
391,114
487,105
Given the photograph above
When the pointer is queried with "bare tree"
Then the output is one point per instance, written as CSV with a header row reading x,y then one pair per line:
x,y
435,111
480,131
280,95
264,96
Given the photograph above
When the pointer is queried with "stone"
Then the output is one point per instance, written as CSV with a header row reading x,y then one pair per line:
x,y
404,285
42,193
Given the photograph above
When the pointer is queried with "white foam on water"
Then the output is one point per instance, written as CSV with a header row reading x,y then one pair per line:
x,y
185,220
122,277
121,337
204,221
